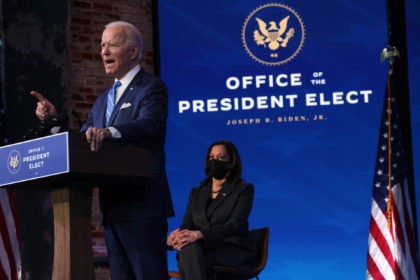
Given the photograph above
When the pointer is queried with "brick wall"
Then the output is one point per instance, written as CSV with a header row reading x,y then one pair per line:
x,y
87,19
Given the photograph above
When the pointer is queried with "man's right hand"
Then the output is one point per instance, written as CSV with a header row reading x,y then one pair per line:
x,y
45,109
95,136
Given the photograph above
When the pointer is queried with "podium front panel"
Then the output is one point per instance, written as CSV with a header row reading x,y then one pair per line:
x,y
34,159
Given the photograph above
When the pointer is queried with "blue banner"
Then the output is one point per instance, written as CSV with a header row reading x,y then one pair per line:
x,y
298,87
34,159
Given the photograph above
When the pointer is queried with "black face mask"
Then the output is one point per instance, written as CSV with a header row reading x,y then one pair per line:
x,y
218,168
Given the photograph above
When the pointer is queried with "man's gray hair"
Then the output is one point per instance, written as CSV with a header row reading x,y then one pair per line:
x,y
134,36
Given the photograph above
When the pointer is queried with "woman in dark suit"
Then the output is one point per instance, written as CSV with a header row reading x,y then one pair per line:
x,y
214,229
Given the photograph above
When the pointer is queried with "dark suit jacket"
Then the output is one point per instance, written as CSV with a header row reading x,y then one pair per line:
x,y
225,223
140,116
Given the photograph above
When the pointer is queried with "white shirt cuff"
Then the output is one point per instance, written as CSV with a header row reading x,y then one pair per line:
x,y
115,133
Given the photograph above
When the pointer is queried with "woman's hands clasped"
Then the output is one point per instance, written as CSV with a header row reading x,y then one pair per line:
x,y
179,238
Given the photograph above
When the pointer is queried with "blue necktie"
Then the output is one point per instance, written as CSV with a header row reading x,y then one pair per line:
x,y
111,100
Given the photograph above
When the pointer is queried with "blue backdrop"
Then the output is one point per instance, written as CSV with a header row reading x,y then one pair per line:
x,y
303,106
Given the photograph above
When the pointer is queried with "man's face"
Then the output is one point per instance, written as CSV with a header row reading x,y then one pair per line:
x,y
117,54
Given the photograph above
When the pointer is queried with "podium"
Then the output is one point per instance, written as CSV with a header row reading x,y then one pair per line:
x,y
64,164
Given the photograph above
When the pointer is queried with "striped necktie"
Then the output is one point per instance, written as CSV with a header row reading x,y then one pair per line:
x,y
111,100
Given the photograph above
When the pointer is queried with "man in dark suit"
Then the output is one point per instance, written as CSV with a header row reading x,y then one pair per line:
x,y
135,111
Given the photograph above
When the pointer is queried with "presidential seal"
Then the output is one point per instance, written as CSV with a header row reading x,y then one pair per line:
x,y
273,34
14,162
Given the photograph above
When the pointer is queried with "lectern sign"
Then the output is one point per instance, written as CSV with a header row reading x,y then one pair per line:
x,y
34,159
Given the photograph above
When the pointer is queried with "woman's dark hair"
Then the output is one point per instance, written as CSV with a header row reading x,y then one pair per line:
x,y
235,163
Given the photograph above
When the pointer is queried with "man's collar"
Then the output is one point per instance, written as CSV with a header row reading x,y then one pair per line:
x,y
130,75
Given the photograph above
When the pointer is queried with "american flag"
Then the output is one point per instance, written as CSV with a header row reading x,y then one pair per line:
x,y
393,251
10,265
9,245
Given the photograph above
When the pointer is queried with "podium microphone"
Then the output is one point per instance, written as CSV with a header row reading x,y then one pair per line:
x,y
45,127
58,120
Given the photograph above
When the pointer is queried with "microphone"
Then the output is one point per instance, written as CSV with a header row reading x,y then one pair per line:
x,y
45,127
58,120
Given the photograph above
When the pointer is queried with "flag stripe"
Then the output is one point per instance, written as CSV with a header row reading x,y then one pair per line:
x,y
3,274
9,244
393,251
380,249
373,272
410,234
4,261
405,238
10,265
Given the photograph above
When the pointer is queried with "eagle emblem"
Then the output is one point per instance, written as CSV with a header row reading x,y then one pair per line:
x,y
273,35
14,161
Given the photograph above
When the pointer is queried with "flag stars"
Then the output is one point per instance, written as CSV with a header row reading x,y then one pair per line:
x,y
381,160
379,172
